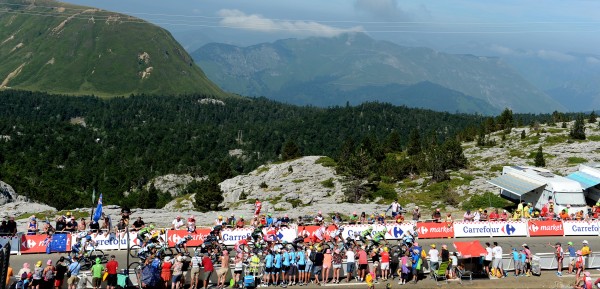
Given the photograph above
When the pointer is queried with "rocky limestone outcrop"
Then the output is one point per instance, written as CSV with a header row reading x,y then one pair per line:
x,y
280,185
7,194
172,184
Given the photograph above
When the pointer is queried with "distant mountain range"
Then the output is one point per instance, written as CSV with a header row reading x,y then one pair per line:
x,y
62,48
355,68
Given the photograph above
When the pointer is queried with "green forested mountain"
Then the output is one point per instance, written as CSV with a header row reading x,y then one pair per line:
x,y
56,148
57,47
332,70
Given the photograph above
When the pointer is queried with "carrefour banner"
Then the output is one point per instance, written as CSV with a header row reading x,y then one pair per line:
x,y
581,228
230,237
103,241
490,229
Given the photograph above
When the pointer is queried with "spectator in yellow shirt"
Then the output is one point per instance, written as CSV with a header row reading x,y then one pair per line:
x,y
585,250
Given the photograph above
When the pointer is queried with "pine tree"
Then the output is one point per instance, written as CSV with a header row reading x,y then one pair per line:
x,y
414,143
523,134
393,143
208,195
578,129
539,158
290,151
592,118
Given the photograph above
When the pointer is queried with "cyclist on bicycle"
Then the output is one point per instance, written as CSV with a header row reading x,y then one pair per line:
x,y
182,243
76,248
271,235
319,235
257,233
336,235
143,233
146,250
378,237
409,236
366,234
239,245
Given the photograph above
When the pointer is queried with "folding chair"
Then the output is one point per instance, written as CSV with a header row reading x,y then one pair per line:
x,y
464,274
440,273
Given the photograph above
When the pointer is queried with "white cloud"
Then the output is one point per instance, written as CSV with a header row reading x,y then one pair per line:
x,y
555,55
502,49
238,19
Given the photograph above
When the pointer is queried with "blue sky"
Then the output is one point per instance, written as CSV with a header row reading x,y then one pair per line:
x,y
548,28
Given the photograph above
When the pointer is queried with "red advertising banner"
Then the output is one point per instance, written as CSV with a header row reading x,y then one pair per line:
x,y
34,243
435,230
198,237
545,228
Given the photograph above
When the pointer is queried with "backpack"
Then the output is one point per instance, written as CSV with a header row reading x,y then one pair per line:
x,y
312,256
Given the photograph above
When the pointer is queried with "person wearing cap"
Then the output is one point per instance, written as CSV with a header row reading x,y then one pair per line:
x,y
97,271
165,271
434,258
60,224
517,261
176,278
353,219
559,255
572,256
48,274
37,276
32,227
585,251
177,223
285,221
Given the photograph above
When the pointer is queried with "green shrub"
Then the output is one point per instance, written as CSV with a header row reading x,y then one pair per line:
x,y
485,200
297,181
326,162
263,185
576,160
328,183
385,191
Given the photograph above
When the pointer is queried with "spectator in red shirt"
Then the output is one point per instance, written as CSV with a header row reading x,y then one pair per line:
x,y
363,263
494,215
111,267
504,216
385,264
208,267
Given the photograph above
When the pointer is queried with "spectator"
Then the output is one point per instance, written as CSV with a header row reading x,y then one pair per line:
x,y
350,264
504,216
453,265
32,227
363,218
353,218
483,215
138,224
445,253
165,271
520,207
559,255
177,268
516,260
395,207
4,227
527,211
381,219
94,227
528,257
208,267
74,272
97,271
437,216
564,215
497,263
319,217
572,256
489,256
12,226
82,225
125,214
231,220
121,226
434,258
399,218
416,261
48,229
494,215
477,215
37,276
327,265
61,224
71,225
416,214
222,272
269,219
404,271
363,264
337,265
106,223
468,217
385,263
285,221
580,266
61,269
257,207
177,223
318,266
336,218
449,218
112,268
240,223
9,274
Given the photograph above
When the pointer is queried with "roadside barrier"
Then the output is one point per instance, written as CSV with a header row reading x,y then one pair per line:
x,y
25,244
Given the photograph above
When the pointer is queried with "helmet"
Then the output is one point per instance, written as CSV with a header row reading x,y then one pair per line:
x,y
570,243
189,237
382,214
151,227
356,234
370,227
585,242
341,229
68,214
88,237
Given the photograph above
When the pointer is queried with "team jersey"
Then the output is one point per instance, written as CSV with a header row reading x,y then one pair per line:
x,y
278,261
301,258
366,232
320,232
269,261
286,259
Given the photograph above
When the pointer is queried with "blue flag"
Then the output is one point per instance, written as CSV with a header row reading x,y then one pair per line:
x,y
98,212
58,243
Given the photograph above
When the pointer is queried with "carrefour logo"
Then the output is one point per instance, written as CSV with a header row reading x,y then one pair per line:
x,y
229,237
508,229
396,232
423,230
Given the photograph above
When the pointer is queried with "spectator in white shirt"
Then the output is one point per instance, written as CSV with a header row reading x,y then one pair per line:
x,y
488,258
434,258
178,224
497,251
468,217
350,265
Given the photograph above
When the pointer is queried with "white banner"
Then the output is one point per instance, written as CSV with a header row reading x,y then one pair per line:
x,y
472,229
230,237
14,243
392,231
508,228
581,228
